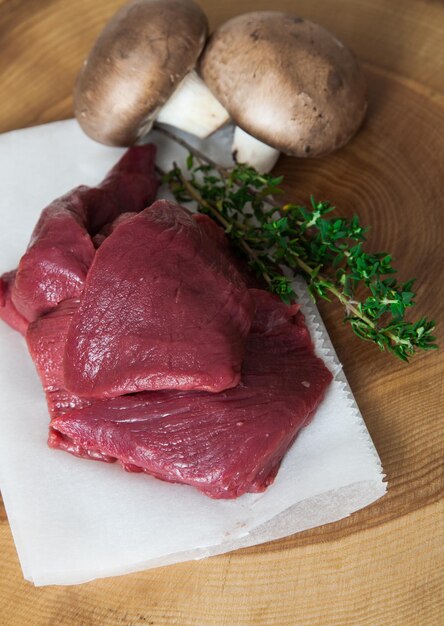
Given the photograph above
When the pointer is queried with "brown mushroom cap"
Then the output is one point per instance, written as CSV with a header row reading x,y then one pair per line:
x,y
138,60
286,81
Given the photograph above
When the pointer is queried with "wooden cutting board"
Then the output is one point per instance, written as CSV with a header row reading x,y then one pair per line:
x,y
384,564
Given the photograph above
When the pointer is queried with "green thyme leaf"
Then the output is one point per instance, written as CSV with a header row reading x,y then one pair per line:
x,y
309,240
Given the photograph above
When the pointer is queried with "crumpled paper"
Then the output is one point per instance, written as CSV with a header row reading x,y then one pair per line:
x,y
75,520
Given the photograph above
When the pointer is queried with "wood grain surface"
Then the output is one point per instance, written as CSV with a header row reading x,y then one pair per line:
x,y
382,565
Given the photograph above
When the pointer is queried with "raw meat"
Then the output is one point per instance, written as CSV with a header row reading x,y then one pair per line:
x,y
164,304
60,252
163,308
223,444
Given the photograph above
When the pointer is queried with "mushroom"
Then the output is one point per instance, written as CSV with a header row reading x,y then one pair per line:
x,y
288,84
140,69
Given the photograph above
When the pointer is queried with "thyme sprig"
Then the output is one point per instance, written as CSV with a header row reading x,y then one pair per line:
x,y
327,250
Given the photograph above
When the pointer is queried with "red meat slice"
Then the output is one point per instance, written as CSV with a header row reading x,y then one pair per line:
x,y
60,252
223,444
163,308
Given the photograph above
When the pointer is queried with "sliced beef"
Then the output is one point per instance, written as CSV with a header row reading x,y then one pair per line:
x,y
164,305
223,444
60,252
163,308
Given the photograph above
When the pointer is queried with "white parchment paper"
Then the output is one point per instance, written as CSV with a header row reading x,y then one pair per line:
x,y
74,520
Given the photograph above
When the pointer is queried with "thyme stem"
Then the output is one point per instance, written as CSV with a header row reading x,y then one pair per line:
x,y
328,251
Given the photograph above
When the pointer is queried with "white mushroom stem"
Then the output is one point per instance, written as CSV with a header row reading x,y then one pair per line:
x,y
247,149
193,108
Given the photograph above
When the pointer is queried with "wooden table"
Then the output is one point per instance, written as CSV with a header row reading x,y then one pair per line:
x,y
383,565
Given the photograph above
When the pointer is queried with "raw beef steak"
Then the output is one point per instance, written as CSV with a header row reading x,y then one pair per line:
x,y
163,308
223,444
60,252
